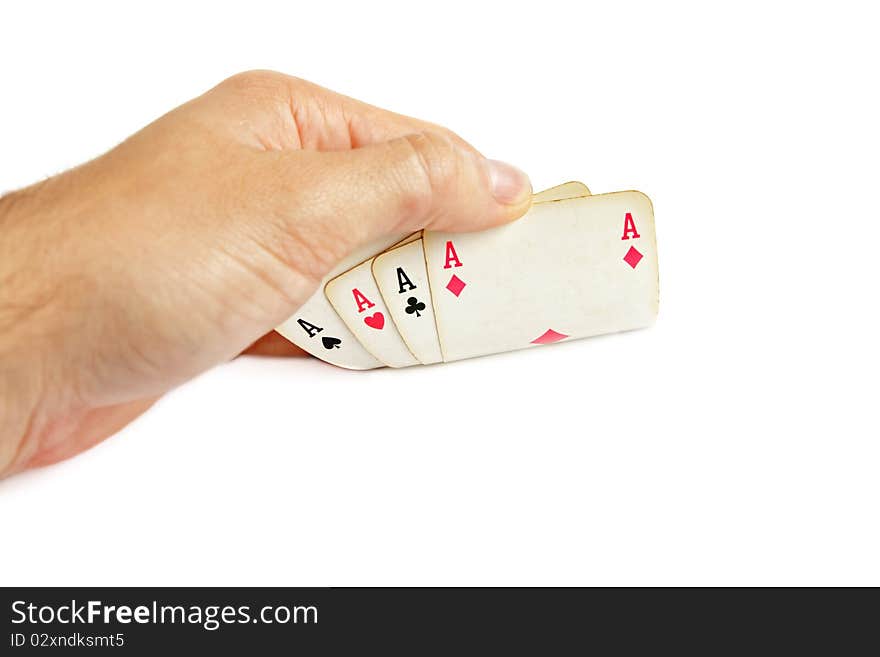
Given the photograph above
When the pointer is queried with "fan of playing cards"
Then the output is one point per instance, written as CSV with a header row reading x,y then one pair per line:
x,y
574,266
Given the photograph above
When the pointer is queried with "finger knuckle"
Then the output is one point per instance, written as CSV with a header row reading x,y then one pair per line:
x,y
257,82
433,165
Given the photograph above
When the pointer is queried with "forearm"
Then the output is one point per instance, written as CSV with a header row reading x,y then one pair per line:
x,y
53,399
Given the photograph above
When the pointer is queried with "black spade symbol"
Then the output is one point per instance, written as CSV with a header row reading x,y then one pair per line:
x,y
330,343
413,305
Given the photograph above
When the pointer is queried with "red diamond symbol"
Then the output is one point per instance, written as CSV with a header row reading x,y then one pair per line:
x,y
455,285
549,336
632,257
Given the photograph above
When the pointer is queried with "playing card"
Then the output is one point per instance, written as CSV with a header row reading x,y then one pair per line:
x,y
356,298
316,327
569,269
402,279
559,192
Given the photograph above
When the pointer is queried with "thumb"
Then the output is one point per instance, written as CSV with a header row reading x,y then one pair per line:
x,y
427,180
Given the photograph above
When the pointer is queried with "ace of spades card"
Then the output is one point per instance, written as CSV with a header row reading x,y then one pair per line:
x,y
569,269
317,329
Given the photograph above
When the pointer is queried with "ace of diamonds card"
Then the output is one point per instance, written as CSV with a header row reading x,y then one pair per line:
x,y
567,270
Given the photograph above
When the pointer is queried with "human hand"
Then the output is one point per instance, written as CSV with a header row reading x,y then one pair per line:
x,y
181,247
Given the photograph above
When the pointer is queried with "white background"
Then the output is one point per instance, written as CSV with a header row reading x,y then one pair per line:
x,y
734,443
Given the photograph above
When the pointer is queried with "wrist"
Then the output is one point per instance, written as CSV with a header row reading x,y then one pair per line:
x,y
19,365
18,411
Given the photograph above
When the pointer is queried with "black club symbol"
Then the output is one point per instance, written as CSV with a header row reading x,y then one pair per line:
x,y
413,305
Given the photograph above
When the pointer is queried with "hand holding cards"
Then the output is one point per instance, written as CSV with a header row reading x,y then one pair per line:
x,y
576,265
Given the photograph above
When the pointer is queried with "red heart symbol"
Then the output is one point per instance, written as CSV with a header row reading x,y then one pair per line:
x,y
376,320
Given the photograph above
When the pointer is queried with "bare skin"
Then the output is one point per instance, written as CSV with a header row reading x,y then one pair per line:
x,y
185,245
